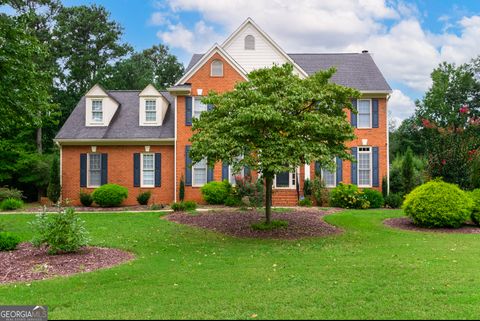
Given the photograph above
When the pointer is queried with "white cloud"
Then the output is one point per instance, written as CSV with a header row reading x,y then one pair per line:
x,y
400,106
158,19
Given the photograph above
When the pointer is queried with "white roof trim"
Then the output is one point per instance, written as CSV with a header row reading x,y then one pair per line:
x,y
269,39
215,49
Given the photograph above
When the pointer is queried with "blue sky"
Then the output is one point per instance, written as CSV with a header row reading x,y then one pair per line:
x,y
406,38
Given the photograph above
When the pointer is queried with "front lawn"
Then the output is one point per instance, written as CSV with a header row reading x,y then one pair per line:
x,y
370,271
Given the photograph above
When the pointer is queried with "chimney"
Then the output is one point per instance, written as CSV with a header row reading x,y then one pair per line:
x,y
364,51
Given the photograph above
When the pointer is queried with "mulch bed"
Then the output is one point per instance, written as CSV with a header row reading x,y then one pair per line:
x,y
28,263
302,223
406,223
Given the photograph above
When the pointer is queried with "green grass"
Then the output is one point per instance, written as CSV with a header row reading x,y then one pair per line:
x,y
370,271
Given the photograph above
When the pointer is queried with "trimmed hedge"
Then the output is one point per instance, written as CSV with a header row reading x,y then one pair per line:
x,y
438,204
11,204
348,196
475,213
374,197
110,195
216,192
394,200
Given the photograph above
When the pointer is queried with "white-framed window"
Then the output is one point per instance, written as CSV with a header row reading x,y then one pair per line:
x,y
199,173
285,180
147,170
150,110
233,175
364,166
249,42
198,107
97,110
216,68
94,170
364,107
330,178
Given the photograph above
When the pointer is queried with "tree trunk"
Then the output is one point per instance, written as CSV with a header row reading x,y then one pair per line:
x,y
39,140
268,199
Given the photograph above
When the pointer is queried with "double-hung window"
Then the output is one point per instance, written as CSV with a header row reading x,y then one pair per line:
x,y
94,170
97,111
148,170
199,173
365,166
285,180
151,110
329,178
216,68
364,113
198,107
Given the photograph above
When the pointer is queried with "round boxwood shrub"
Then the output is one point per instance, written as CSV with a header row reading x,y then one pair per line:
x,y
216,192
374,197
348,196
394,200
110,195
438,204
8,241
11,204
475,196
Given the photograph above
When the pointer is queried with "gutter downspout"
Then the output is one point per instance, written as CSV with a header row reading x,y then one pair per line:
x,y
175,155
388,146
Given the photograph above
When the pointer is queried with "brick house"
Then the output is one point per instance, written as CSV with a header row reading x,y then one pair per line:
x,y
140,139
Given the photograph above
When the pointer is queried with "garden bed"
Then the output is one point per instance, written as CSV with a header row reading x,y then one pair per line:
x,y
302,223
28,263
406,223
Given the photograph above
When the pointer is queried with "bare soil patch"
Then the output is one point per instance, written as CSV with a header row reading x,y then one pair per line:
x,y
28,263
302,223
406,223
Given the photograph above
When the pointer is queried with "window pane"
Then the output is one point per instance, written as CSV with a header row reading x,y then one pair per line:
x,y
148,161
282,179
150,105
328,178
217,68
249,42
97,113
364,166
151,116
199,107
95,170
364,114
200,172
363,120
148,177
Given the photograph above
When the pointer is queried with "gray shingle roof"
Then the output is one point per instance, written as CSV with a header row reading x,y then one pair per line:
x,y
355,70
124,124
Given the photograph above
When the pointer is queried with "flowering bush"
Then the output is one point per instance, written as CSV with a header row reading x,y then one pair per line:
x,y
348,196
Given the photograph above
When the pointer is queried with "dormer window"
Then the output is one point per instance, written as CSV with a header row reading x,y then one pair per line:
x,y
151,110
249,42
97,111
216,68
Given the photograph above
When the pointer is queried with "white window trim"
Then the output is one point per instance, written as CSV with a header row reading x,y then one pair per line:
x,y
371,115
334,178
93,121
193,175
141,171
211,68
156,111
88,170
290,179
194,100
371,166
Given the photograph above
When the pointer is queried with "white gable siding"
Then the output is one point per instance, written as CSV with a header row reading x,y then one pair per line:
x,y
150,93
109,106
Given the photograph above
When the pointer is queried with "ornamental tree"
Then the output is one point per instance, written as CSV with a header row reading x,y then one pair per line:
x,y
275,122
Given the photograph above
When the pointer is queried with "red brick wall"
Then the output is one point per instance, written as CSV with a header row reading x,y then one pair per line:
x,y
120,171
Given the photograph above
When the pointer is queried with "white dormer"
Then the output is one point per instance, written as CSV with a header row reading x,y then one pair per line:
x,y
100,107
153,107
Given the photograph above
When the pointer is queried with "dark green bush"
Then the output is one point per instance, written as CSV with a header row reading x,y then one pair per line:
x,y
181,194
190,205
8,241
475,211
62,232
232,201
438,204
6,192
216,192
144,197
305,202
11,204
54,189
374,197
393,200
348,196
276,224
110,195
320,193
307,187
86,199
184,206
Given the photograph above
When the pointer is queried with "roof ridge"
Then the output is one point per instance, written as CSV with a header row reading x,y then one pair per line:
x,y
325,53
117,90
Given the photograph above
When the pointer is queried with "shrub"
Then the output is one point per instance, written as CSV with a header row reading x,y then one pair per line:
x,y
475,213
157,207
6,192
307,187
348,196
384,186
182,189
438,204
305,202
190,205
8,241
216,192
232,201
61,232
275,224
393,200
249,191
86,199
110,195
320,192
53,190
143,198
184,206
374,197
10,204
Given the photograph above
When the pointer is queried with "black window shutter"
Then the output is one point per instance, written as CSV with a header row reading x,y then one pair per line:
x,y
136,169
353,115
354,166
318,169
188,167
375,113
225,171
210,174
104,178
375,176
158,169
188,110
339,170
83,170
